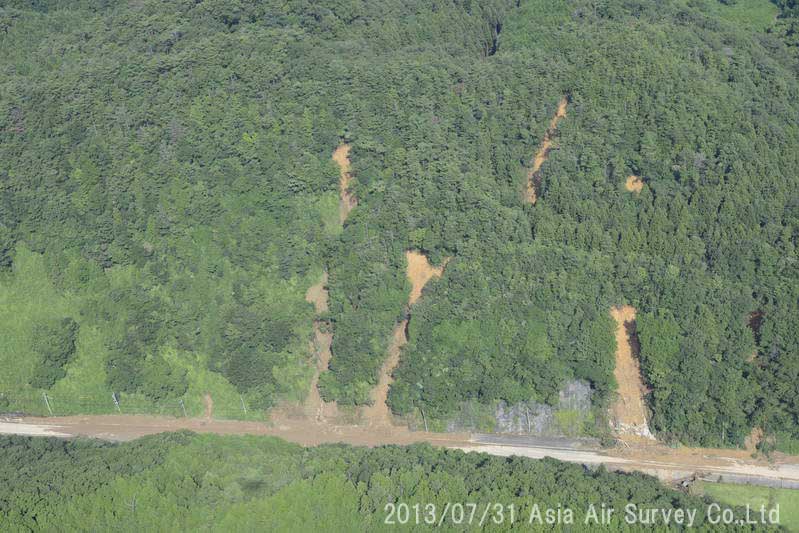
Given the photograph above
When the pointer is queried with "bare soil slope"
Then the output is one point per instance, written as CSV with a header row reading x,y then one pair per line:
x,y
378,413
634,183
628,414
347,200
533,180
209,406
317,295
419,272
315,406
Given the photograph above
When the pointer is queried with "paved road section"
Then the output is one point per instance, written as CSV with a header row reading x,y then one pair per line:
x,y
668,464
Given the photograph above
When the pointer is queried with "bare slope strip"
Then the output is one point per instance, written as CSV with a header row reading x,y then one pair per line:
x,y
347,200
628,414
315,406
419,272
533,177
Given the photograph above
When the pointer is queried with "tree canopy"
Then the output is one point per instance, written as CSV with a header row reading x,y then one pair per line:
x,y
166,184
187,482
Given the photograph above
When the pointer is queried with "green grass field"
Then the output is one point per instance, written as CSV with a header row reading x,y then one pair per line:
x,y
755,15
787,499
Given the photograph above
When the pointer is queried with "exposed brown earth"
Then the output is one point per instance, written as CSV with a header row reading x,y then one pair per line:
x,y
315,406
209,406
628,414
419,272
754,438
294,424
533,178
317,295
300,430
347,200
634,183
664,462
379,413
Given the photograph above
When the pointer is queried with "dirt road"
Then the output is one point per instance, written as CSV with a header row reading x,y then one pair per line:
x,y
666,463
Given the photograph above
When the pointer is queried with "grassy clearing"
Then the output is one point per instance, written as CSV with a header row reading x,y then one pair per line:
x,y
27,296
787,499
755,15
328,212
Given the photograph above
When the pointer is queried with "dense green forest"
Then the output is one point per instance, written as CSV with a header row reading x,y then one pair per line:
x,y
167,196
188,482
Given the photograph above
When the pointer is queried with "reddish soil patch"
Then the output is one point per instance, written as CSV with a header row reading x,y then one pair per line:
x,y
419,272
634,183
533,176
347,200
315,406
378,413
628,412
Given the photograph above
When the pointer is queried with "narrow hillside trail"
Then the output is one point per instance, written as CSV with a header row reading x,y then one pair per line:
x,y
419,272
628,413
634,183
530,195
347,200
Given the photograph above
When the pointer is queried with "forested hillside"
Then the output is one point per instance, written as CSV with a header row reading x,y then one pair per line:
x,y
167,193
188,482
167,196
